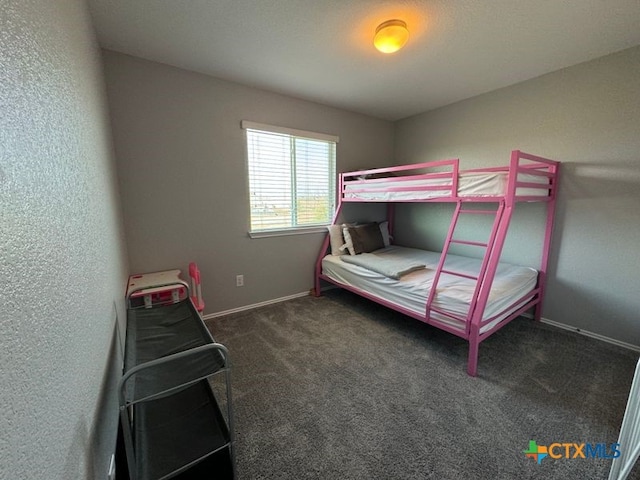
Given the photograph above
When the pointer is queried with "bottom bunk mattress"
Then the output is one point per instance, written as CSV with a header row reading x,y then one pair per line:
x,y
411,290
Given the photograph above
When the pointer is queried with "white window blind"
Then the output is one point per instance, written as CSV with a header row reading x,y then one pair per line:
x,y
291,178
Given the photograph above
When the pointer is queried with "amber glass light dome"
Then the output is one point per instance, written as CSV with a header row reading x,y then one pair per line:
x,y
391,36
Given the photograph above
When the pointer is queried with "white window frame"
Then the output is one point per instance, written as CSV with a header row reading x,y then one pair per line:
x,y
294,230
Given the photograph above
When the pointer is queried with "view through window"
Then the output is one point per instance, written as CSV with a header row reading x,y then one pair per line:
x,y
291,179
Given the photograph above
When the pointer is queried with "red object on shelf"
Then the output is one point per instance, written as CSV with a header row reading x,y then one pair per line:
x,y
157,288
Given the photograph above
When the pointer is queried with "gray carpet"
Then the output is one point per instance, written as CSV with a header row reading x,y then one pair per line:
x,y
338,387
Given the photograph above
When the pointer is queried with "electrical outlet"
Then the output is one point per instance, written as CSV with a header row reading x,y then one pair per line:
x,y
239,280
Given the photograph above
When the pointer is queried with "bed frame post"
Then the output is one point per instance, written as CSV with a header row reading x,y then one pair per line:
x,y
476,311
497,239
474,346
391,217
325,242
544,263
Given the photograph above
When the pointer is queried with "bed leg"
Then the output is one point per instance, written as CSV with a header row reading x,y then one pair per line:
x,y
472,365
537,312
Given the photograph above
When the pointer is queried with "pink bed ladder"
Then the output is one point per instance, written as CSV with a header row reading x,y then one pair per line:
x,y
196,288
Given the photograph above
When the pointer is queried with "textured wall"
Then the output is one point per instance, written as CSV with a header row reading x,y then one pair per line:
x,y
587,116
182,169
62,261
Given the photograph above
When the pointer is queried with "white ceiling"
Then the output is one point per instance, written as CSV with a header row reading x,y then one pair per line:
x,y
321,50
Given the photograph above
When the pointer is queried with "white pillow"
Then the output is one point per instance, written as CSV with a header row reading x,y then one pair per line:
x,y
348,242
335,239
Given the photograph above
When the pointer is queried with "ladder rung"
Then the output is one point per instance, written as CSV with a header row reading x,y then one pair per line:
x,y
458,274
479,212
469,242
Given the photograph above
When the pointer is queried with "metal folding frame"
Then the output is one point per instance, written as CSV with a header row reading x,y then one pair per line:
x,y
127,402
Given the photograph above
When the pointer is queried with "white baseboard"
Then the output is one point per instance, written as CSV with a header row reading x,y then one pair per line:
x,y
563,326
254,305
587,333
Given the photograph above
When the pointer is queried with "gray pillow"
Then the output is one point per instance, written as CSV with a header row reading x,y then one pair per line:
x,y
363,238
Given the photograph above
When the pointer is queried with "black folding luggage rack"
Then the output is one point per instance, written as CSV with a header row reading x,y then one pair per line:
x,y
173,426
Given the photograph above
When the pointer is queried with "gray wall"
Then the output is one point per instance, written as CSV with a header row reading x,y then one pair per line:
x,y
62,261
587,116
182,170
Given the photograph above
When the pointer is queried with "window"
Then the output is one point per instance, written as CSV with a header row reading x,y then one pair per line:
x,y
291,178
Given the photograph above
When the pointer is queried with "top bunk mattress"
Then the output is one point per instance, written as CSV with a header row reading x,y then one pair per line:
x,y
470,184
453,294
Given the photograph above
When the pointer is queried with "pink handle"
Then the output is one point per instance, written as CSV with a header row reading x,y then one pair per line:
x,y
194,272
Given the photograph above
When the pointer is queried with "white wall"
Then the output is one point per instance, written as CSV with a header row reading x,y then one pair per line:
x,y
62,261
182,170
587,116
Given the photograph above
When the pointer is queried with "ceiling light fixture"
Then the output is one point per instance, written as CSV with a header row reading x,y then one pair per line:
x,y
391,36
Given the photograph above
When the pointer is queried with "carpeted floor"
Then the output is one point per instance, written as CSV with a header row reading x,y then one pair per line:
x,y
338,387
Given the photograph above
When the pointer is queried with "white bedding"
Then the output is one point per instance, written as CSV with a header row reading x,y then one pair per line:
x,y
454,293
470,184
385,261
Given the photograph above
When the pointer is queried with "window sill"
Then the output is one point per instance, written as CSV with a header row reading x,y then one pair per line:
x,y
288,231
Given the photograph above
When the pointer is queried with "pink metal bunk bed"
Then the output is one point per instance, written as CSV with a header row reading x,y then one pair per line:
x,y
527,178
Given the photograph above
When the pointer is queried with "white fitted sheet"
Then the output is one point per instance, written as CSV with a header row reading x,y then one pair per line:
x,y
454,293
470,184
